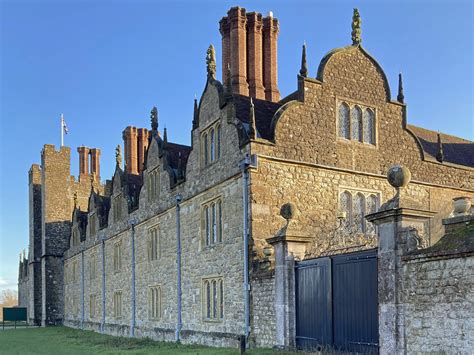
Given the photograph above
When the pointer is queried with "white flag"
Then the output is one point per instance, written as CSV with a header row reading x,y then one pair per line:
x,y
65,129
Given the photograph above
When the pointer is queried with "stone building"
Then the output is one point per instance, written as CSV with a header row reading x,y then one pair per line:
x,y
187,242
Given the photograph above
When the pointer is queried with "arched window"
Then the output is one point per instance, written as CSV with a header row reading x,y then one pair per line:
x,y
208,299
218,141
219,221
372,205
213,144
345,206
221,299
208,226
344,124
369,126
205,150
359,212
356,123
214,299
214,223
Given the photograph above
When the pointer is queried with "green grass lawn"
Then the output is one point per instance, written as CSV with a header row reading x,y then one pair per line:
x,y
62,340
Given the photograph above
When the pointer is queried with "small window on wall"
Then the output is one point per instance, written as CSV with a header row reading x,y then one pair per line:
x,y
117,304
212,222
356,123
92,306
211,144
92,224
153,184
213,299
153,246
117,208
117,256
354,206
93,266
154,302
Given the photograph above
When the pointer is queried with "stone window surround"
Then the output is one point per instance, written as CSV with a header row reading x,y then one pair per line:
x,y
75,236
93,266
150,243
354,191
157,288
117,256
117,304
92,224
153,184
220,229
74,271
351,103
216,125
219,279
92,302
117,207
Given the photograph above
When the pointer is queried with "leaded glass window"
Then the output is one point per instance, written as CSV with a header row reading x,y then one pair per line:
x,y
212,146
356,123
369,125
218,141
344,124
371,202
345,206
358,212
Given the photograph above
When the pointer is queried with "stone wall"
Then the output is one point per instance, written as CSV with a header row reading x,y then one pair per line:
x,y
263,311
438,305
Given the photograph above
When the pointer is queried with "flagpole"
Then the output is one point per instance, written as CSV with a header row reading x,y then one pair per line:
x,y
62,130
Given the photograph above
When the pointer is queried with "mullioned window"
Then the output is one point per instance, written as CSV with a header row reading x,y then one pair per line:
x,y
212,222
356,122
211,144
213,299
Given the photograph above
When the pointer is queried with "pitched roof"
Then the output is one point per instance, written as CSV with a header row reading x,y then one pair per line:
x,y
174,149
456,150
264,111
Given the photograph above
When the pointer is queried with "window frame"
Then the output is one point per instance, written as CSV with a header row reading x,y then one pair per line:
x,y
153,243
212,222
155,293
351,104
117,257
117,304
212,299
211,139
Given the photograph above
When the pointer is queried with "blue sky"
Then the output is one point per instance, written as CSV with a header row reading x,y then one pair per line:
x,y
104,64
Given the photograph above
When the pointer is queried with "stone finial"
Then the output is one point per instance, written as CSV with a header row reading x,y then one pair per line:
x,y
211,62
75,199
252,124
440,154
288,211
400,96
195,113
154,119
165,135
461,206
180,167
398,176
304,64
356,30
118,156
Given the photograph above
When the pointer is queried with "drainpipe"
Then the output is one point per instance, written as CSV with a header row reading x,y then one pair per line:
x,y
244,164
132,222
178,265
102,323
82,287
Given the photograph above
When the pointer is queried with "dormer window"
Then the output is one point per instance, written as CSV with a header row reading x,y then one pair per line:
x,y
211,144
356,122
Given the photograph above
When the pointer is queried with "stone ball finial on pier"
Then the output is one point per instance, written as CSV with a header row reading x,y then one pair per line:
x,y
288,211
398,176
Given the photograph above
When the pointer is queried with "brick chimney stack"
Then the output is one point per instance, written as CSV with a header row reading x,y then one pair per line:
x,y
270,64
95,162
255,55
142,147
83,161
249,46
130,146
238,50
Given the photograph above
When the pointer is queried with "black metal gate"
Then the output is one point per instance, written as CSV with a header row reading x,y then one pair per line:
x,y
336,303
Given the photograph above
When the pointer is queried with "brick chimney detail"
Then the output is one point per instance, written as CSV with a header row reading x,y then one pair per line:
x,y
224,28
270,69
255,55
131,150
142,143
95,162
238,50
83,161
